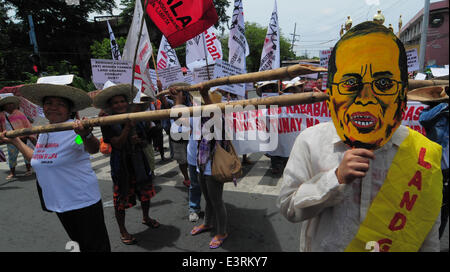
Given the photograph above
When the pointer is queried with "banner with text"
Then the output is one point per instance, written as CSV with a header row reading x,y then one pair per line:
x,y
116,71
252,130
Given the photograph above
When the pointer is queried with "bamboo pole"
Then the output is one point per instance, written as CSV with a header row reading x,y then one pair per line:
x,y
284,72
415,84
283,100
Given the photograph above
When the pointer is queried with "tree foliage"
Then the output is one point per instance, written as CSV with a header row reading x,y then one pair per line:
x,y
62,33
102,49
256,35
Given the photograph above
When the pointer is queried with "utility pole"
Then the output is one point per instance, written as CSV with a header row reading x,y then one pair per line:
x,y
423,37
293,37
32,35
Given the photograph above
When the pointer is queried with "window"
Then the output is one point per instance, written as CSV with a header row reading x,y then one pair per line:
x,y
436,20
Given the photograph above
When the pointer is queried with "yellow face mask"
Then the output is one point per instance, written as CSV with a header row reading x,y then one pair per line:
x,y
367,96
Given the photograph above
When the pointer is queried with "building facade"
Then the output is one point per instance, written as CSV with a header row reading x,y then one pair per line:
x,y
437,34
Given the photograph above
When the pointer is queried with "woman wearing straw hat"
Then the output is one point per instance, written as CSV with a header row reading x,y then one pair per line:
x,y
12,118
63,168
130,168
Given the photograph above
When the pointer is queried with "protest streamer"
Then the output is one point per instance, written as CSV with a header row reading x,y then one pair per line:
x,y
203,49
275,74
270,57
167,57
115,52
180,21
285,100
138,37
137,49
237,43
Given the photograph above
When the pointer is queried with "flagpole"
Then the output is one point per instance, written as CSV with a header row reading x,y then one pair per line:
x,y
156,68
206,55
137,45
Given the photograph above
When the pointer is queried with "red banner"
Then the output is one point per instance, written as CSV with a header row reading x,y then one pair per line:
x,y
182,20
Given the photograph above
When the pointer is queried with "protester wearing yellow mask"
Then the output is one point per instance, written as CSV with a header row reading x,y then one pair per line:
x,y
363,181
367,96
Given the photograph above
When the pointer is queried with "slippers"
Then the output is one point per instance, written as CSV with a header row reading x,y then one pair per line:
x,y
152,223
217,242
199,229
10,177
28,173
128,241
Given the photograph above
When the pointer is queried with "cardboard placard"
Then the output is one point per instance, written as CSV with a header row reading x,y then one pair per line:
x,y
116,71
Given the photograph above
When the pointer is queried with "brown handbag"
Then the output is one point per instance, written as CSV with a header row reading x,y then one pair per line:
x,y
226,166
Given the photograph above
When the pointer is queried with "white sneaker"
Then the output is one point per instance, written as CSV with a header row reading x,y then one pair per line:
x,y
193,217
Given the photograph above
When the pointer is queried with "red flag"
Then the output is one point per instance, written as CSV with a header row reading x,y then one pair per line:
x,y
182,20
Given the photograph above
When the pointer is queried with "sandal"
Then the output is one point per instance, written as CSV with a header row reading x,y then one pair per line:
x,y
199,229
217,242
128,241
28,173
151,223
10,177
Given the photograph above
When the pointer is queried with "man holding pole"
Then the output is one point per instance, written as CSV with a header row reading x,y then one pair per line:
x,y
364,182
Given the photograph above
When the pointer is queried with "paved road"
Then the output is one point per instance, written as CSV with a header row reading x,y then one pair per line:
x,y
254,221
254,224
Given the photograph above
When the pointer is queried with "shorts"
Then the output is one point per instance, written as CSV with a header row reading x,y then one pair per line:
x,y
180,151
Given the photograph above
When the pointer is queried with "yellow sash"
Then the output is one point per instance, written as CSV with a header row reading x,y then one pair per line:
x,y
408,204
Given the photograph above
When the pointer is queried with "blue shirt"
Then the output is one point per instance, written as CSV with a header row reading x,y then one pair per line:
x,y
435,121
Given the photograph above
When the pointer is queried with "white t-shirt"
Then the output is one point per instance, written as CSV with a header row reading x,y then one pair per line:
x,y
64,172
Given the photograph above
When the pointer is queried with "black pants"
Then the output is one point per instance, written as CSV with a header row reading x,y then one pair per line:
x,y
86,226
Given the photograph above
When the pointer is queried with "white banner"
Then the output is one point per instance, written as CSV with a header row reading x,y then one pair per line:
x,y
237,43
170,75
251,128
144,50
167,57
202,74
413,60
325,57
270,57
32,111
208,43
115,52
116,71
224,69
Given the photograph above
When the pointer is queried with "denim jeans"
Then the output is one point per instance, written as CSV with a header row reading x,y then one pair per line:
x,y
195,192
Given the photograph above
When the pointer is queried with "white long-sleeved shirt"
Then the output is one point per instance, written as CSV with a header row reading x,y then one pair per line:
x,y
331,212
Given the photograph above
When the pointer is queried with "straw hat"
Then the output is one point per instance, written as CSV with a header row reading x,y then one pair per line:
x,y
9,99
429,94
146,98
290,85
265,83
101,99
215,96
37,92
